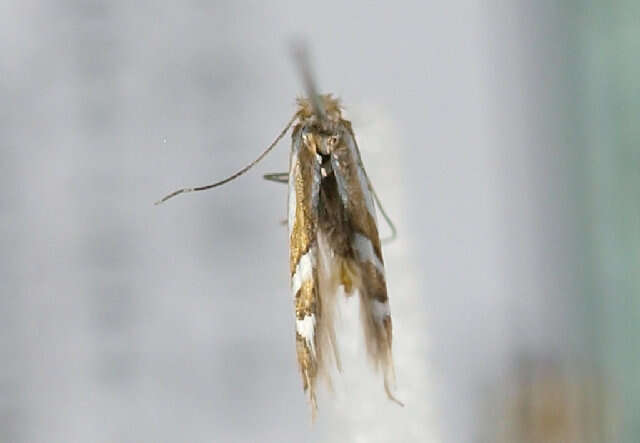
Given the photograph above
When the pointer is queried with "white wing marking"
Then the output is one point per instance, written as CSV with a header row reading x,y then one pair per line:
x,y
304,272
365,252
306,328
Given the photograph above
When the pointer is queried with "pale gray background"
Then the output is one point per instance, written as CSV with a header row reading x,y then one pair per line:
x,y
482,127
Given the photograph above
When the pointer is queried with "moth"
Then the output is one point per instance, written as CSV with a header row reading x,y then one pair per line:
x,y
334,245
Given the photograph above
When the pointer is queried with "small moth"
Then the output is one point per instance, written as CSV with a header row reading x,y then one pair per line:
x,y
333,237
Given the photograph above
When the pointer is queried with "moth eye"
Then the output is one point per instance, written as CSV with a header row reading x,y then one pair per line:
x,y
333,140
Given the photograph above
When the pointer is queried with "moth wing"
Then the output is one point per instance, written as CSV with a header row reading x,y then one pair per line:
x,y
366,267
304,181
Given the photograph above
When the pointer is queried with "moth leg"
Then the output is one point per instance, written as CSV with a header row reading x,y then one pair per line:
x,y
277,177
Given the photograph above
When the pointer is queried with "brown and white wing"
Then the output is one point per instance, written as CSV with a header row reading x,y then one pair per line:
x,y
366,265
304,182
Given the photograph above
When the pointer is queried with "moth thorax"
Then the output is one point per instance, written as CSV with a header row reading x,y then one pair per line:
x,y
321,142
328,143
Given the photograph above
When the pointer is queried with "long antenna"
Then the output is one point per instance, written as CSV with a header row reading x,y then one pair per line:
x,y
237,174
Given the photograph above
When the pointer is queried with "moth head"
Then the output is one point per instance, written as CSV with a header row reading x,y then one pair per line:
x,y
330,104
322,142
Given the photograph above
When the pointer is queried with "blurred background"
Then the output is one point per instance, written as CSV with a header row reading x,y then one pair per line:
x,y
502,139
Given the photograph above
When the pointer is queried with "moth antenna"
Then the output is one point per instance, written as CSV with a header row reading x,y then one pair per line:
x,y
237,174
301,58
